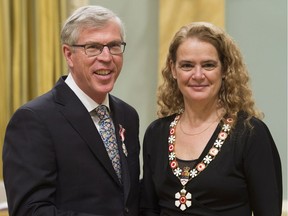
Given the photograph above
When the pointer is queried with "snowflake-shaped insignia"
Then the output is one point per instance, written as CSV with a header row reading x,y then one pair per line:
x,y
207,159
172,156
173,123
218,143
226,127
177,172
193,173
171,139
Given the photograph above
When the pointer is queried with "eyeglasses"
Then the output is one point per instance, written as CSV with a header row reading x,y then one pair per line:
x,y
115,48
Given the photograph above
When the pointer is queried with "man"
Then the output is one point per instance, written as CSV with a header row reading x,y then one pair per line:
x,y
55,162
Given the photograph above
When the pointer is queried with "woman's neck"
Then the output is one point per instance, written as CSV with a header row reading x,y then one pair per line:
x,y
197,115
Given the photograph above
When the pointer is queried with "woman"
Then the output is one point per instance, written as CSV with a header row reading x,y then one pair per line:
x,y
209,154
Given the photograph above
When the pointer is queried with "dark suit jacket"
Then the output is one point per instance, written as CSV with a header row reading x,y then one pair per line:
x,y
55,162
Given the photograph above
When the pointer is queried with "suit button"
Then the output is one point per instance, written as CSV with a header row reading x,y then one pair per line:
x,y
126,210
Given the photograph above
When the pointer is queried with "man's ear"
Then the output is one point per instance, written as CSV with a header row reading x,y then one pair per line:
x,y
67,51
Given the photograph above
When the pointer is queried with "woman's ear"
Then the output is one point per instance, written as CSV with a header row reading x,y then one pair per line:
x,y
173,70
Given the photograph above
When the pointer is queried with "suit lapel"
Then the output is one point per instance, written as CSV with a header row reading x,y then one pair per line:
x,y
79,118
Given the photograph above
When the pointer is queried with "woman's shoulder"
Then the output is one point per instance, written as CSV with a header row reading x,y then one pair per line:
x,y
156,136
159,126
160,122
244,119
252,127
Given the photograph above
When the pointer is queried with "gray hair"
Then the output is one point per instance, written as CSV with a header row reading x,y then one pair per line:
x,y
88,17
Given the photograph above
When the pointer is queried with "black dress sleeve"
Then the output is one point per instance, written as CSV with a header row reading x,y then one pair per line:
x,y
262,167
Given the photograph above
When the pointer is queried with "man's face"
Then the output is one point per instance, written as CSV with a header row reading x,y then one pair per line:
x,y
95,75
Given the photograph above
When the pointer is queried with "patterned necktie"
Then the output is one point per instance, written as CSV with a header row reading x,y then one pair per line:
x,y
107,132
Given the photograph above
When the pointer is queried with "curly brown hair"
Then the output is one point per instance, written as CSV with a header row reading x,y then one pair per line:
x,y
235,94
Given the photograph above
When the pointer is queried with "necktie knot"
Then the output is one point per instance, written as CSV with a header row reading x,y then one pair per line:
x,y
102,112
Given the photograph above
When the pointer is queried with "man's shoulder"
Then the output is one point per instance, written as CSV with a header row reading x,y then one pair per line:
x,y
118,103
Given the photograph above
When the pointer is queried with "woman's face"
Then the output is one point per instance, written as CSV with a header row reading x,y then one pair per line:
x,y
198,71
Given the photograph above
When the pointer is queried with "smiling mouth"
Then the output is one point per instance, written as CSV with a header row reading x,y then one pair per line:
x,y
102,72
198,86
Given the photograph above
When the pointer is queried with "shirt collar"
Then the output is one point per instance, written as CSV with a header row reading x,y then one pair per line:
x,y
88,102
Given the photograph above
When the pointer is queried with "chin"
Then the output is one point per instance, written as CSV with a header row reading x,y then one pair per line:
x,y
105,89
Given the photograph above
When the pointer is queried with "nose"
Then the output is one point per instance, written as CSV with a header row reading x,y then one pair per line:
x,y
105,55
198,73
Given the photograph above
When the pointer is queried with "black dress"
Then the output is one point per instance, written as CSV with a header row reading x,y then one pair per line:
x,y
244,177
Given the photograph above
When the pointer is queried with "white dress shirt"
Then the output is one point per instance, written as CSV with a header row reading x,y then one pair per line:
x,y
88,102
